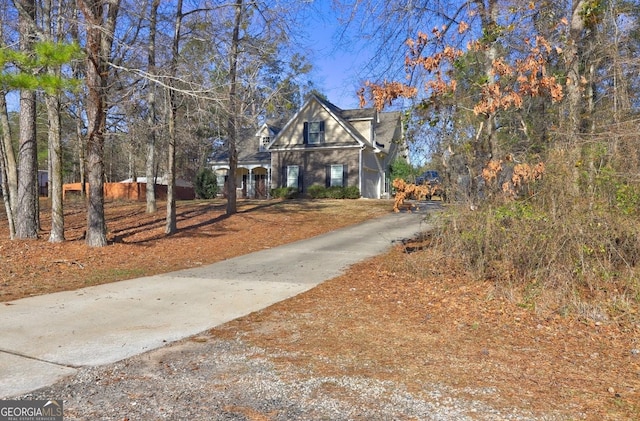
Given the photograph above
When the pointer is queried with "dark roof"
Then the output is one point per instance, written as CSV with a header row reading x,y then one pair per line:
x,y
353,114
244,155
247,147
386,129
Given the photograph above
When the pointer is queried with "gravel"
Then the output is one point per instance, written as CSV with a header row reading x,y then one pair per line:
x,y
206,378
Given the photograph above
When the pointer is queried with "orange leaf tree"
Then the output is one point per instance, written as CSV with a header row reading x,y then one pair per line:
x,y
406,191
503,81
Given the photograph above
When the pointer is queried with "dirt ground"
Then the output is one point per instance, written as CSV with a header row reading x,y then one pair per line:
x,y
138,245
411,317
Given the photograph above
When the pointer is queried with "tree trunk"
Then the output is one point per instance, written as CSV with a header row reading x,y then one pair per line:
x,y
171,224
52,101
8,166
621,97
151,118
27,214
27,209
486,144
96,235
55,176
9,172
574,76
77,74
80,144
232,125
489,17
98,48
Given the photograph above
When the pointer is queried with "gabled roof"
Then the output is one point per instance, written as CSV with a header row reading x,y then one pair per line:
x,y
272,128
385,123
343,117
246,147
386,130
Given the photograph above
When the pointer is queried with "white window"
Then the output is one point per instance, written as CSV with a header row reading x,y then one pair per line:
x,y
337,176
292,176
315,132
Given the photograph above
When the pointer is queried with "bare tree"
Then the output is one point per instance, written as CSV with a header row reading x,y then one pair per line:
x,y
77,103
8,170
52,100
100,30
486,147
27,219
232,124
151,116
171,224
573,63
8,166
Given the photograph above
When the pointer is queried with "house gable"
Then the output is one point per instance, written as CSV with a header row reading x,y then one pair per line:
x,y
323,141
265,135
321,145
318,124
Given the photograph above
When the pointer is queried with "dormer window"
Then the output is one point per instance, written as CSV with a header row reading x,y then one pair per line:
x,y
264,142
314,132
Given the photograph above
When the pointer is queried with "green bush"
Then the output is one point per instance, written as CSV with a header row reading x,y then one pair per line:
x,y
284,192
317,192
400,168
335,192
351,192
206,185
627,198
320,192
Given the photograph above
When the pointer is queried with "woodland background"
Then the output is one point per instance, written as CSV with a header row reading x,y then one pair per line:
x,y
528,109
527,288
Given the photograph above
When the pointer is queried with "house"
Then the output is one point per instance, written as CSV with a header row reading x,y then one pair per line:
x,y
253,174
321,144
43,182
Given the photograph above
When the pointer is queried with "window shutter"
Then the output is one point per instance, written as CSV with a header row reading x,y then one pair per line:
x,y
345,174
283,180
322,131
327,179
306,133
300,187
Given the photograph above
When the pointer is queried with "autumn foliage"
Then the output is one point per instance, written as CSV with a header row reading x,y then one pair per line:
x,y
539,137
406,191
527,77
509,85
519,176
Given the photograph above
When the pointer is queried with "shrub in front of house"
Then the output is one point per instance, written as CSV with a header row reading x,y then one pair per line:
x,y
321,192
284,192
351,192
335,192
317,192
206,184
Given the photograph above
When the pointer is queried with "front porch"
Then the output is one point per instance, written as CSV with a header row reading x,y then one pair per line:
x,y
252,182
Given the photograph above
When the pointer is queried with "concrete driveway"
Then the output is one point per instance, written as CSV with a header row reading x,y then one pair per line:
x,y
46,338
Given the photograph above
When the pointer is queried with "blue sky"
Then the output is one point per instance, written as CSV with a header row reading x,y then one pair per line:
x,y
337,65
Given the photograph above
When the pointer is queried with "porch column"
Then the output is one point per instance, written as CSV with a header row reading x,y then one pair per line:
x,y
269,182
251,191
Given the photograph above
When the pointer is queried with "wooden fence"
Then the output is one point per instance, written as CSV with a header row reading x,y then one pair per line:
x,y
131,191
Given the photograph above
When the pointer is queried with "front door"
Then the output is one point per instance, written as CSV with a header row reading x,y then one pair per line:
x,y
261,186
